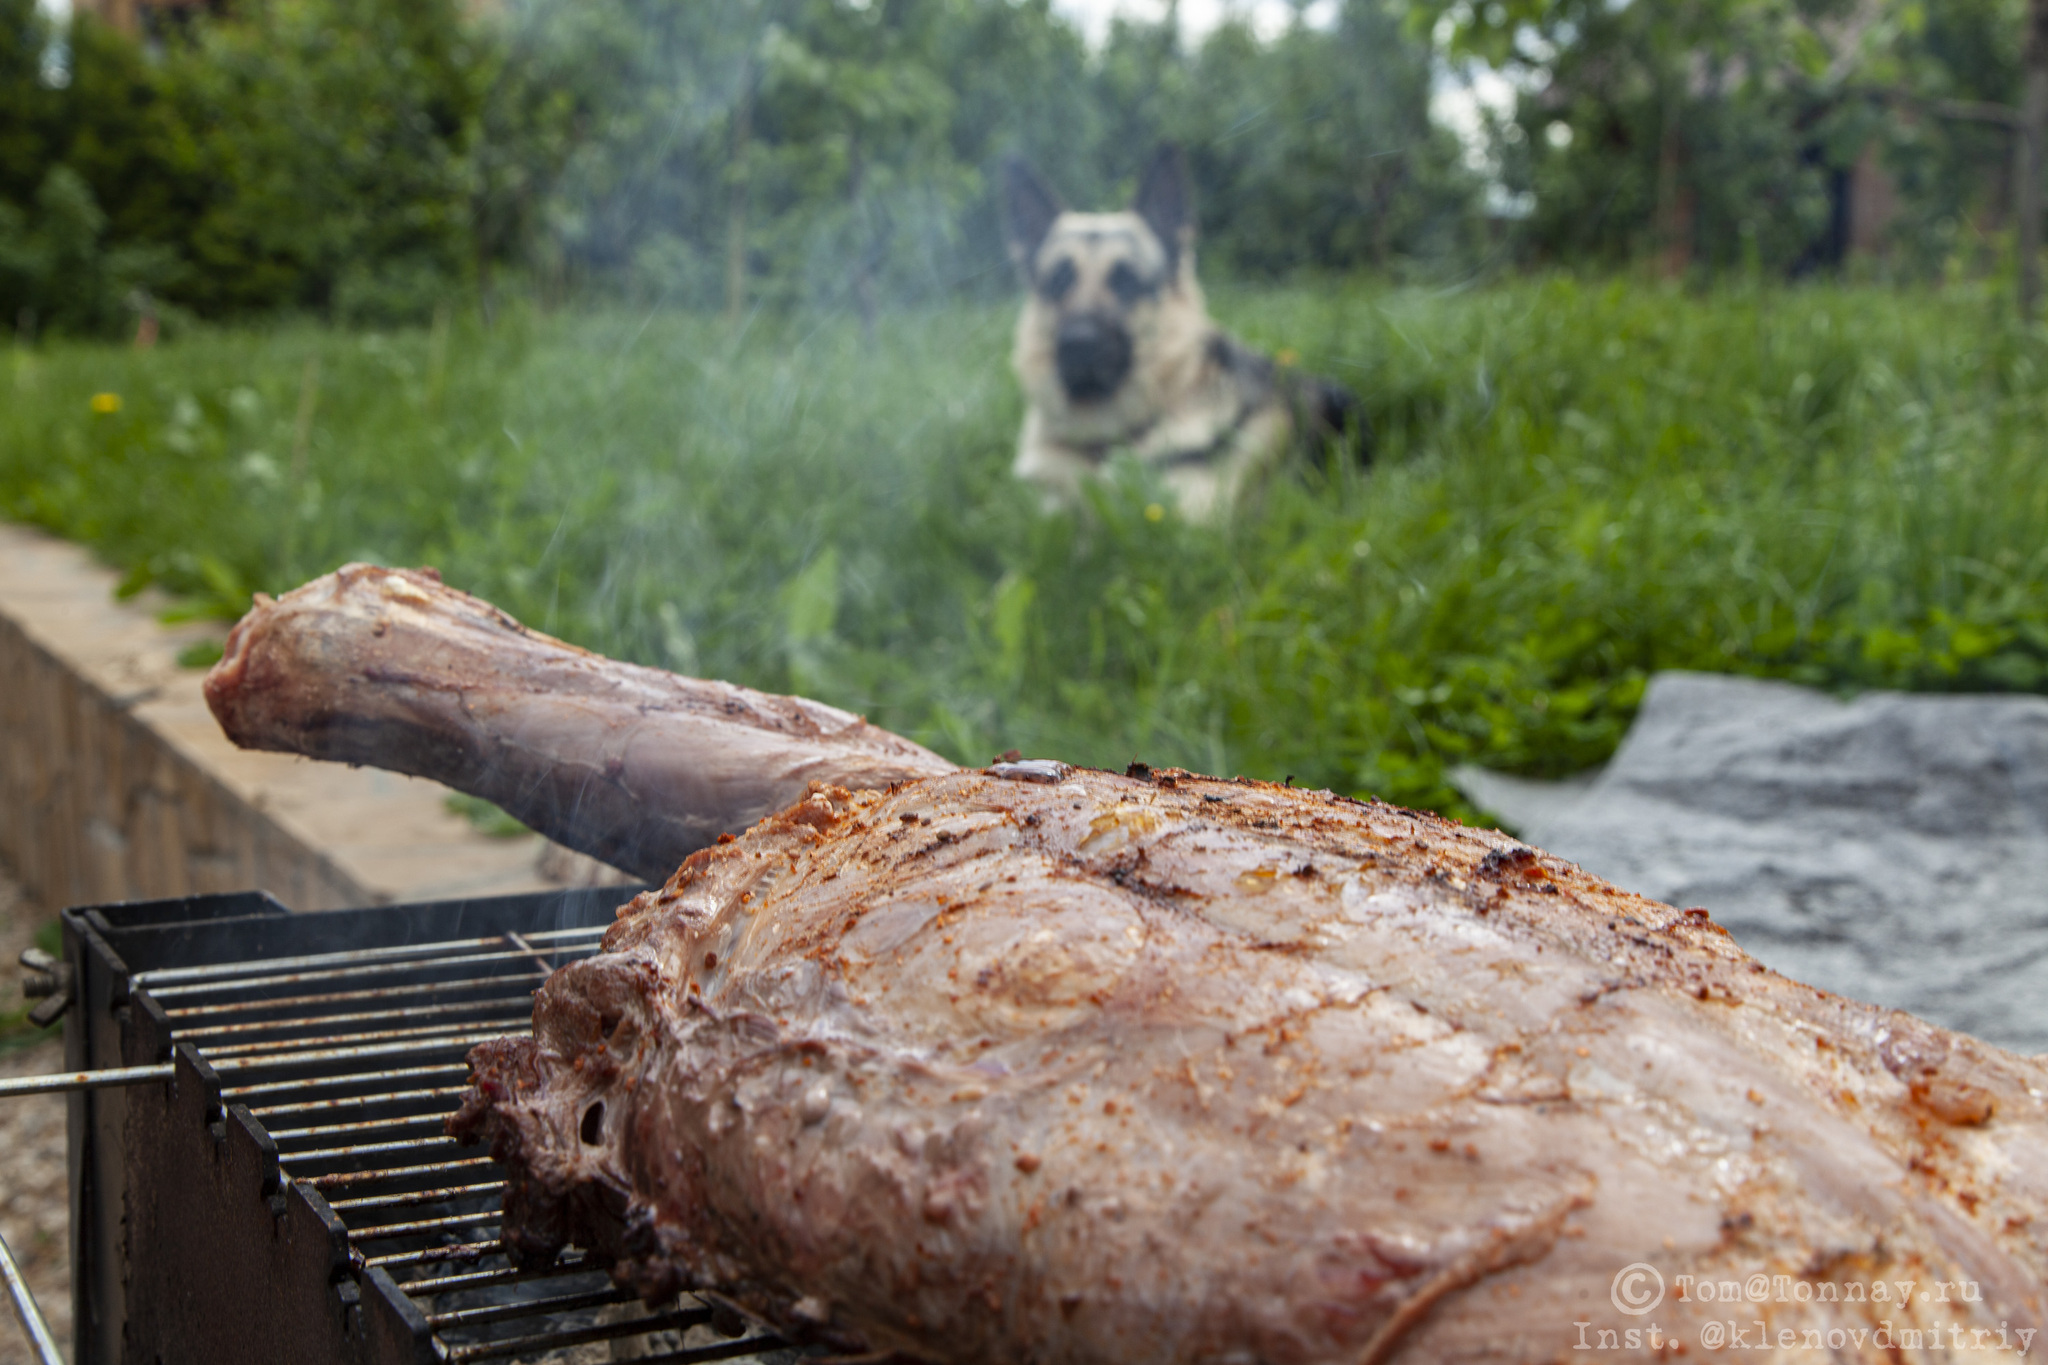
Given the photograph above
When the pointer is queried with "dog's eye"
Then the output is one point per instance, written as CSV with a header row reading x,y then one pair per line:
x,y
1058,280
1126,284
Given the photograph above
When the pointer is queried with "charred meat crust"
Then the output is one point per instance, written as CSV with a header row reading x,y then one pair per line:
x,y
1159,1068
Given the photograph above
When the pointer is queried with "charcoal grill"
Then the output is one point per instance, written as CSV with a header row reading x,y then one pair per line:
x,y
277,1185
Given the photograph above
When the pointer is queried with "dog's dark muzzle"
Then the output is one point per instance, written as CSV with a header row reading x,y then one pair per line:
x,y
1093,354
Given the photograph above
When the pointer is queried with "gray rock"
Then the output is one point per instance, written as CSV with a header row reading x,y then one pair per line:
x,y
1893,848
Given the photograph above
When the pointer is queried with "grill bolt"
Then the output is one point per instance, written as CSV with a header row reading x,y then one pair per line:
x,y
49,980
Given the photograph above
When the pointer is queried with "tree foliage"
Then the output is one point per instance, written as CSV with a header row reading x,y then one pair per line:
x,y
87,172
1722,132
368,158
362,158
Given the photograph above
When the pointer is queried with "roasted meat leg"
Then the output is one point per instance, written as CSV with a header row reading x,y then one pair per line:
x,y
1108,1069
1035,1064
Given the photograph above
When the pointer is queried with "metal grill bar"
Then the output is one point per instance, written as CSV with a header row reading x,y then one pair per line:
x,y
379,1231
499,1312
425,1122
340,997
445,951
394,1201
499,1026
437,1285
724,1350
436,1144
678,1320
353,1101
458,1251
250,983
545,964
325,1182
342,1054
82,1080
238,1092
509,1002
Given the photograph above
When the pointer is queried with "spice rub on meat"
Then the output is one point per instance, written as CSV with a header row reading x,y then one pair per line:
x,y
1047,1065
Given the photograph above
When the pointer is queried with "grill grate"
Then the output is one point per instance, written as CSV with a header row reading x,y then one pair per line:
x,y
351,1062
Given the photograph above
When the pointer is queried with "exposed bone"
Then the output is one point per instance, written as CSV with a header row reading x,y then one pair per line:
x,y
393,668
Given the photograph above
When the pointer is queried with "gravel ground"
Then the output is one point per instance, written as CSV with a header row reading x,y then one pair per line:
x,y
33,1215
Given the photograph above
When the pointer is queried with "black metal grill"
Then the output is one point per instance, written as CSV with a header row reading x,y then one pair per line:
x,y
287,1191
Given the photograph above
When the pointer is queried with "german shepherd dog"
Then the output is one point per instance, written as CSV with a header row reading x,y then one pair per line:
x,y
1116,353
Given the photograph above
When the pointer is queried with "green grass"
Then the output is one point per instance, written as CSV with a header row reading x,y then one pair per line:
x,y
1579,484
484,817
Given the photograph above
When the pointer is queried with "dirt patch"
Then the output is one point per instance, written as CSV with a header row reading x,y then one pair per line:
x,y
34,1217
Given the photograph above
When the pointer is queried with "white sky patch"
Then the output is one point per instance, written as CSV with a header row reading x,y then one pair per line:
x,y
56,64
1269,18
1462,100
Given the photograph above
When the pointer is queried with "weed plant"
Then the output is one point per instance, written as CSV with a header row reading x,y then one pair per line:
x,y
1578,484
17,1030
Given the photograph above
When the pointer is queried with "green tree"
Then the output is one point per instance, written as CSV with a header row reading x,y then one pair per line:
x,y
836,152
335,133
1723,131
90,208
1692,130
1317,151
29,108
851,126
367,158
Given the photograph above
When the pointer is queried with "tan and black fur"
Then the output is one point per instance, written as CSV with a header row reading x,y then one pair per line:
x,y
1117,353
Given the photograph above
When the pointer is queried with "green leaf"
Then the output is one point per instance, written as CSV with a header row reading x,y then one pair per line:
x,y
484,817
200,654
810,601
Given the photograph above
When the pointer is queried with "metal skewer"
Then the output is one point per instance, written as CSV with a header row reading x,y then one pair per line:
x,y
65,1081
32,1322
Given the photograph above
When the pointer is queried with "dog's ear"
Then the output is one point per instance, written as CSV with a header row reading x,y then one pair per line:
x,y
1166,201
1029,207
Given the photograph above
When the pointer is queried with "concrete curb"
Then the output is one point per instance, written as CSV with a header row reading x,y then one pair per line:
x,y
115,783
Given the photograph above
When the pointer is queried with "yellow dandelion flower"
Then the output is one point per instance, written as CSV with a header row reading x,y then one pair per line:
x,y
1288,356
1154,512
105,403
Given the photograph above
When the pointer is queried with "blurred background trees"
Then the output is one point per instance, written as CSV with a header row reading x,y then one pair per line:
x,y
370,159
1782,135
